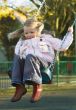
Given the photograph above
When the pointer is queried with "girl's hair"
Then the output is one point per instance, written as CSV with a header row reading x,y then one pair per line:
x,y
30,23
33,23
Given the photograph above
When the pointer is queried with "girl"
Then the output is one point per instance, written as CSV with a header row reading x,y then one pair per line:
x,y
32,51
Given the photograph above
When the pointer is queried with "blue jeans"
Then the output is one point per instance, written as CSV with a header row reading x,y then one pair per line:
x,y
27,70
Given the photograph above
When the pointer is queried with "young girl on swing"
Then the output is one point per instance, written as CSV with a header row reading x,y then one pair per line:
x,y
32,51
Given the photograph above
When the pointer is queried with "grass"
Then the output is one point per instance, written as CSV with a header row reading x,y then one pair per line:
x,y
4,93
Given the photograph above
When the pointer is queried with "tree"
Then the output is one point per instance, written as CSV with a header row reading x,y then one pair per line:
x,y
10,20
7,25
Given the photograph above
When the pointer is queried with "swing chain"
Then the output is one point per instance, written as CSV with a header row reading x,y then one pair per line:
x,y
42,4
74,22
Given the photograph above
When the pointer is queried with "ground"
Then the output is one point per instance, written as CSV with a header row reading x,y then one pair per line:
x,y
54,97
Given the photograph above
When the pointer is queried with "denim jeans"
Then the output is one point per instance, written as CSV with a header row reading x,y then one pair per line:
x,y
27,70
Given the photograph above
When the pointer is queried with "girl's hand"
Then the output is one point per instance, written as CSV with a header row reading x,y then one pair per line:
x,y
70,29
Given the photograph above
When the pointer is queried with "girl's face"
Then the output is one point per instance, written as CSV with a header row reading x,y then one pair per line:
x,y
30,33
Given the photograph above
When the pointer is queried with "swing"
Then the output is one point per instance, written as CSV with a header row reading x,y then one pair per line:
x,y
47,73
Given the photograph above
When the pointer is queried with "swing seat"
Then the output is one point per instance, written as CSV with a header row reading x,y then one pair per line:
x,y
46,75
45,72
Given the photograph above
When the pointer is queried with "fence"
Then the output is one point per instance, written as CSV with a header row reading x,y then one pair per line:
x,y
61,75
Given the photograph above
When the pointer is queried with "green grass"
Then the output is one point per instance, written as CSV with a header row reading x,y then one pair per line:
x,y
46,88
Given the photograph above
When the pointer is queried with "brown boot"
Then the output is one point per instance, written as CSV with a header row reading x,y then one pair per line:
x,y
20,91
37,90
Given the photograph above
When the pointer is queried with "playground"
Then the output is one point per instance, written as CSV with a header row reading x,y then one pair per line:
x,y
58,17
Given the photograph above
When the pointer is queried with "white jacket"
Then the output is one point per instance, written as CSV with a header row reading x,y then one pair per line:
x,y
43,46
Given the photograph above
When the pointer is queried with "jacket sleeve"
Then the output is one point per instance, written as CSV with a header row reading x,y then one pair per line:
x,y
64,44
17,47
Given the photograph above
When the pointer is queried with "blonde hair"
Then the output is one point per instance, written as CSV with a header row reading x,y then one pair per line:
x,y
34,24
30,23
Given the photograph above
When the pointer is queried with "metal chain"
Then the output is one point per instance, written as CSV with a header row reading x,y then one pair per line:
x,y
40,7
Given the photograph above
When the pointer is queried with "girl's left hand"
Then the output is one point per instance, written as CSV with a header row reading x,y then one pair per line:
x,y
70,29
